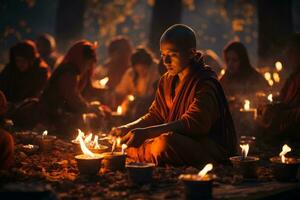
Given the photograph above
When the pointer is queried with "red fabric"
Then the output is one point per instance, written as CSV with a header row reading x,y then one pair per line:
x,y
6,150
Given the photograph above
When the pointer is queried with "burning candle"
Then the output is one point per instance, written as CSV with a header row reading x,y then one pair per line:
x,y
46,141
29,148
278,66
198,186
245,164
270,98
88,162
285,169
103,82
247,109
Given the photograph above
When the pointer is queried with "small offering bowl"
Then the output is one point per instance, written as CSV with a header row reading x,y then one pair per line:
x,y
113,161
26,137
140,173
46,142
246,166
197,187
89,165
286,171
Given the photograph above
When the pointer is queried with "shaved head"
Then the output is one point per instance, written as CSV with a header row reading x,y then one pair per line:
x,y
182,36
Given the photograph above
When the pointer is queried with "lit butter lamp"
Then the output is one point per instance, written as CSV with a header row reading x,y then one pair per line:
x,y
285,169
198,186
45,141
140,173
88,163
29,149
247,110
245,164
93,145
114,160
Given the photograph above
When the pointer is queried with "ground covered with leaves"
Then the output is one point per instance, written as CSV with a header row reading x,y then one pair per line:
x,y
56,172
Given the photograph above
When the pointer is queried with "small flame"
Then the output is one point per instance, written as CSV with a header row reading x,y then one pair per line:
x,y
124,147
278,66
270,82
285,149
276,77
45,133
206,169
247,105
88,138
270,97
80,135
119,110
267,76
223,72
130,97
84,149
118,141
245,150
103,82
95,142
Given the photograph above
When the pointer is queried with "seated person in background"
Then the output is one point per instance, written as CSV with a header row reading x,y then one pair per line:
x,y
26,74
47,48
6,140
62,99
119,54
283,119
138,80
240,77
189,122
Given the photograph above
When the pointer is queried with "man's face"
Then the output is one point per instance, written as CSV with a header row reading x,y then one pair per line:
x,y
22,63
174,60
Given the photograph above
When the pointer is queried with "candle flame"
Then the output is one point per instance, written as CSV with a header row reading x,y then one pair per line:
x,y
118,141
276,77
206,169
270,82
124,147
44,134
270,97
285,149
84,149
130,97
96,144
245,150
247,105
119,110
103,82
80,134
267,76
278,66
88,138
223,72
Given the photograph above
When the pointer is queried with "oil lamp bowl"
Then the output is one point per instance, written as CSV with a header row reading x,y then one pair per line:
x,y
246,166
29,150
26,137
140,173
113,161
285,171
89,165
197,187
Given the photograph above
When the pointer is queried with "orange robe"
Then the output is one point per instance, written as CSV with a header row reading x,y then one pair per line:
x,y
207,132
